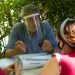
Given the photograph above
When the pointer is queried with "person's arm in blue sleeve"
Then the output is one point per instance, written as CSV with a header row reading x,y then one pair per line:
x,y
14,46
50,42
51,36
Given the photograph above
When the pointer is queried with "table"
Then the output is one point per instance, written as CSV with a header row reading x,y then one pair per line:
x,y
32,71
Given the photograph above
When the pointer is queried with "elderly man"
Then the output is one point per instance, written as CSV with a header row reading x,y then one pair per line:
x,y
30,35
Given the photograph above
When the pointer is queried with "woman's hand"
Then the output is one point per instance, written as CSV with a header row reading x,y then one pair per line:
x,y
8,69
17,69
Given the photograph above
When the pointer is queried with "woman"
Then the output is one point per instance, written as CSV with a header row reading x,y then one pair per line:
x,y
63,63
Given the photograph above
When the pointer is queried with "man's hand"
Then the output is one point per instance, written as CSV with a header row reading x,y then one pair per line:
x,y
20,47
46,46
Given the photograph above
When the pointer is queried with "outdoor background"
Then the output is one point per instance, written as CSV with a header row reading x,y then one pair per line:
x,y
54,11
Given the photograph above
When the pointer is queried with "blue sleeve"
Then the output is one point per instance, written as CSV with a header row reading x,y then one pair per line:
x,y
51,35
12,38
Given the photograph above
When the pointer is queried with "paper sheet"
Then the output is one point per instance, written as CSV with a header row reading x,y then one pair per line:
x,y
30,61
27,61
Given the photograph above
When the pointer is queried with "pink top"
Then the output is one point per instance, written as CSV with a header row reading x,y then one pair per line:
x,y
2,72
67,63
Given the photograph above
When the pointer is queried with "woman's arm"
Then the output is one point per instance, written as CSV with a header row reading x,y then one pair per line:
x,y
51,68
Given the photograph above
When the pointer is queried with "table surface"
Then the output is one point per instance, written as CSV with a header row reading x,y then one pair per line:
x,y
32,71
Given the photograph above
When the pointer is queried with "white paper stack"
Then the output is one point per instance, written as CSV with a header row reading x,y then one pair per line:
x,y
30,61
